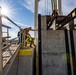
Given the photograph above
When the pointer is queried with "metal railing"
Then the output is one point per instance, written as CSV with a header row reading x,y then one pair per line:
x,y
8,42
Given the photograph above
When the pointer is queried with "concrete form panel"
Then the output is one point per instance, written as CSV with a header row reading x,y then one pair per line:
x,y
22,66
53,41
54,54
54,64
54,60
57,41
43,22
13,69
25,66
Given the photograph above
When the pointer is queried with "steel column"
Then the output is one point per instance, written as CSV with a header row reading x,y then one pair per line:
x,y
11,21
24,39
59,7
71,24
39,45
36,20
36,32
54,24
1,46
67,53
73,51
7,33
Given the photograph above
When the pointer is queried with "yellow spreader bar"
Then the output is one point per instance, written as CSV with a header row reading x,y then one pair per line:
x,y
25,52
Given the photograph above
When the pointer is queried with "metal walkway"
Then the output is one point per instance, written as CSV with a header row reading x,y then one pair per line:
x,y
9,55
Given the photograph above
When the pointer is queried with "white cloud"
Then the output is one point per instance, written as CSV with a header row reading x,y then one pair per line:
x,y
14,30
44,7
67,6
13,33
21,24
6,22
29,4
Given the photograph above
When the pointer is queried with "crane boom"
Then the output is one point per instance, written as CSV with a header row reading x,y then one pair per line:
x,y
56,5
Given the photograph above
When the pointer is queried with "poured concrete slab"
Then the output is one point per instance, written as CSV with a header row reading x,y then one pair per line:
x,y
54,60
23,65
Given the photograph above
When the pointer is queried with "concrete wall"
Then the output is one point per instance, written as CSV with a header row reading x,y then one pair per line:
x,y
53,51
74,33
23,65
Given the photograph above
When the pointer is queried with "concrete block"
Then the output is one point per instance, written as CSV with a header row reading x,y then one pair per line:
x,y
13,70
22,65
25,66
44,40
53,41
53,51
43,22
54,64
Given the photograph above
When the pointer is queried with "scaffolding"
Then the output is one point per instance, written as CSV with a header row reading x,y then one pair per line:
x,y
60,21
8,48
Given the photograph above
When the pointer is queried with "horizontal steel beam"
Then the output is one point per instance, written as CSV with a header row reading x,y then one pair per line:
x,y
51,19
68,18
6,37
6,26
50,22
11,21
4,32
61,21
13,39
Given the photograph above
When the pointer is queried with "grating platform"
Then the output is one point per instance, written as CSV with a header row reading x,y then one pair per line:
x,y
9,53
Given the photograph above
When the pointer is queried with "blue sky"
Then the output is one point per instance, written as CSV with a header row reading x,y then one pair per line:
x,y
22,12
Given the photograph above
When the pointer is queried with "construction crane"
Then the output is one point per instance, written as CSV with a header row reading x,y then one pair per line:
x,y
56,5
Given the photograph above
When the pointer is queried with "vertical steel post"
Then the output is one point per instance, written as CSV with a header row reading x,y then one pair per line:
x,y
36,19
20,38
36,33
7,36
54,24
67,53
24,39
39,45
73,51
7,33
56,5
59,7
71,24
0,45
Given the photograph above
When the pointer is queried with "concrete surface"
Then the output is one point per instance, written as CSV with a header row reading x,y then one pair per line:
x,y
53,51
74,33
23,65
